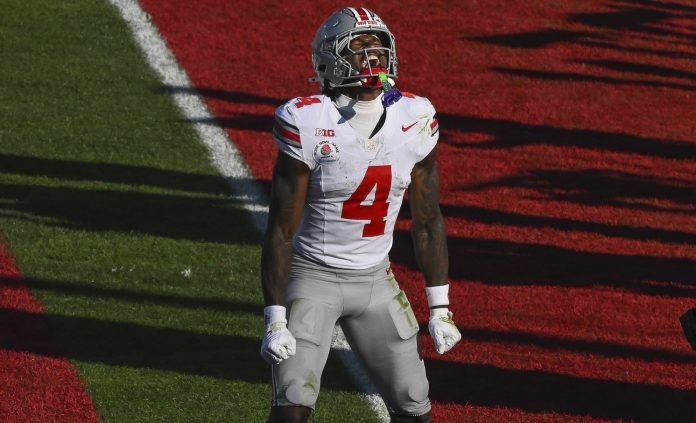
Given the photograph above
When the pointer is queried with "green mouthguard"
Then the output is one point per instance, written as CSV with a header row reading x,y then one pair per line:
x,y
386,86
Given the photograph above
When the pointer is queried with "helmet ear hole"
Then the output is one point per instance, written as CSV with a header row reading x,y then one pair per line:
x,y
322,68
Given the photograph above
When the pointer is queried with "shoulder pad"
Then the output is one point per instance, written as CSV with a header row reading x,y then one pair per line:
x,y
415,106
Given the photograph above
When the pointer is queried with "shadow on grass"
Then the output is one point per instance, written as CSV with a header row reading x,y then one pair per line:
x,y
627,20
511,263
73,170
188,217
498,217
477,214
571,76
630,17
139,346
132,296
547,37
638,50
236,358
134,345
597,187
639,20
224,95
122,174
508,134
601,348
537,391
641,68
238,120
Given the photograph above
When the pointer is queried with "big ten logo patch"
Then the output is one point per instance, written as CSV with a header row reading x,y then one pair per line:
x,y
324,132
326,152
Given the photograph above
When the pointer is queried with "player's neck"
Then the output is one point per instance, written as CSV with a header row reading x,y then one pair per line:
x,y
350,107
361,115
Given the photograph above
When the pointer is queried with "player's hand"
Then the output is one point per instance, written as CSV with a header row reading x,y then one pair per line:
x,y
443,330
278,343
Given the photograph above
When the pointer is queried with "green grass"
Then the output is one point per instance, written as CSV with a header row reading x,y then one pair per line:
x,y
107,199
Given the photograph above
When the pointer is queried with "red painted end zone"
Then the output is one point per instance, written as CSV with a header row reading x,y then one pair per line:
x,y
567,156
33,387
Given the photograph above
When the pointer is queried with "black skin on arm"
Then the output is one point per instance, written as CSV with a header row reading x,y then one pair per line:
x,y
428,228
288,194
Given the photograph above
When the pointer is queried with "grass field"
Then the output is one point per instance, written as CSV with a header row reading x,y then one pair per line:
x,y
122,228
568,156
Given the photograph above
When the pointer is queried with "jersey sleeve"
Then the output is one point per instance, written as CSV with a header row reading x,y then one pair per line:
x,y
286,134
430,131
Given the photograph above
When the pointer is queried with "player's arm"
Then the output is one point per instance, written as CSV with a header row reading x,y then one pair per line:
x,y
428,228
430,247
288,194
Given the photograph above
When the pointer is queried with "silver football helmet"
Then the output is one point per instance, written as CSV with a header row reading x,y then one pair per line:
x,y
331,48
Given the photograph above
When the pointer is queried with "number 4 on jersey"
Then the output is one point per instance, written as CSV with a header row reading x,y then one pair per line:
x,y
376,213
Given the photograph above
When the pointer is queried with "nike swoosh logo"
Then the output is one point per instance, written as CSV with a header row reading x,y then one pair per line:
x,y
406,128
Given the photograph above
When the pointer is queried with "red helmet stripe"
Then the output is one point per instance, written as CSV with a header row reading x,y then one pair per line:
x,y
364,16
355,13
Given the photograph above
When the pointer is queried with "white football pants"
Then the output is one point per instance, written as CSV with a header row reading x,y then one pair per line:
x,y
378,323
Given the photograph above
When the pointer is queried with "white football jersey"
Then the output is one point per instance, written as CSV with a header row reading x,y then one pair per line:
x,y
356,184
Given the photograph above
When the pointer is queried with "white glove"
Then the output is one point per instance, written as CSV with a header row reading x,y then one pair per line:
x,y
443,330
278,343
441,327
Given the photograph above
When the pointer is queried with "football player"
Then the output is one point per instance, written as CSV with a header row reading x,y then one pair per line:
x,y
346,158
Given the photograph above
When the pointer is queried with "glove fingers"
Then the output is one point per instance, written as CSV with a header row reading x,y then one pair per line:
x,y
291,348
270,358
277,353
288,344
278,345
445,335
271,354
444,346
285,350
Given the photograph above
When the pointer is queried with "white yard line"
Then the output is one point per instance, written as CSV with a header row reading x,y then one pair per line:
x,y
226,159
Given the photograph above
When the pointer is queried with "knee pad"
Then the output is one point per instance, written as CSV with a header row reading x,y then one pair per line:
x,y
303,391
411,399
299,376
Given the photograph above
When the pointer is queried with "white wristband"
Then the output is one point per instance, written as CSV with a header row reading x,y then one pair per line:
x,y
274,314
437,295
